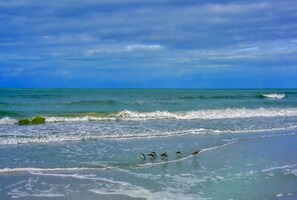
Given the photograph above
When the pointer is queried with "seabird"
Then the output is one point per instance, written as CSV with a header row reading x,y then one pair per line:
x,y
178,154
142,156
164,155
195,152
152,155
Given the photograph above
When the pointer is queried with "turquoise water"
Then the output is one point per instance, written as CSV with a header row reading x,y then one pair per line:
x,y
91,143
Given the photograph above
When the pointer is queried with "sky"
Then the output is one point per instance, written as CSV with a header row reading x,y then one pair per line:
x,y
148,44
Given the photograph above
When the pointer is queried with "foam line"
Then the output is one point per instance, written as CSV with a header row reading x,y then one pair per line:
x,y
20,139
81,176
280,167
226,113
30,169
215,147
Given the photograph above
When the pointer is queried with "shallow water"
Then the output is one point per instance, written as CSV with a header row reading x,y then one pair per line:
x,y
246,143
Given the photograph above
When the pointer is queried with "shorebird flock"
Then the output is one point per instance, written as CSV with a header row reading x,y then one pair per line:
x,y
164,156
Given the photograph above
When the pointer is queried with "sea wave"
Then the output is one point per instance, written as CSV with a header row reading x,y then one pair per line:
x,y
49,138
228,113
274,96
95,102
7,121
74,137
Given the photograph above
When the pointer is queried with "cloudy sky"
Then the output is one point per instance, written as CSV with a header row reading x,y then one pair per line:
x,y
148,43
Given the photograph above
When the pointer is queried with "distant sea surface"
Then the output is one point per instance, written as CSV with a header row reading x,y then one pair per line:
x,y
91,143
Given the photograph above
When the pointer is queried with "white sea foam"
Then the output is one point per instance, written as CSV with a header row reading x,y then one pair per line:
x,y
20,194
77,119
110,186
294,172
25,189
140,192
32,170
228,113
102,186
7,121
48,138
128,190
274,96
219,146
210,114
16,193
279,167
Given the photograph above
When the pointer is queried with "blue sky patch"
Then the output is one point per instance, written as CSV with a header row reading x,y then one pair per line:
x,y
148,44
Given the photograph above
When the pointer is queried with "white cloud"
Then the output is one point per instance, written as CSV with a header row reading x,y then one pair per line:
x,y
248,49
68,38
127,48
143,47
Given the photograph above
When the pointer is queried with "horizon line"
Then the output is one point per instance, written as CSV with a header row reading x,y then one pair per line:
x,y
147,88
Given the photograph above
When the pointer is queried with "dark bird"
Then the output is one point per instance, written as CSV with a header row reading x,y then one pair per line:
x,y
195,153
142,156
178,154
164,155
152,155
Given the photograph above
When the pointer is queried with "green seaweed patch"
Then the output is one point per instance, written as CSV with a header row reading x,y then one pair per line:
x,y
35,120
24,122
38,120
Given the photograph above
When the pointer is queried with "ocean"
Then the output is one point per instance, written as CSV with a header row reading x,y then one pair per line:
x,y
97,144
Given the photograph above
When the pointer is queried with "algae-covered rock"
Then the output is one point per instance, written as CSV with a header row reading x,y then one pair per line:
x,y
38,120
35,120
24,122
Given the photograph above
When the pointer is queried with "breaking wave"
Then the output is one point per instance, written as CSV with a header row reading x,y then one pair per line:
x,y
64,138
7,121
273,96
228,113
